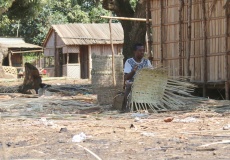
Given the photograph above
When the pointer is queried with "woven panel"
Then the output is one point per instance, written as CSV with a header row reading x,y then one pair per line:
x,y
105,95
74,71
10,70
105,79
64,70
149,86
102,77
153,88
104,63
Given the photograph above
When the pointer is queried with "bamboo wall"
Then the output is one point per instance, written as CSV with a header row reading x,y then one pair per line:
x,y
200,52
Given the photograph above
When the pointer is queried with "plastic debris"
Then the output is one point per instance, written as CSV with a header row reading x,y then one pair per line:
x,y
186,120
140,115
137,119
46,122
79,137
226,127
148,134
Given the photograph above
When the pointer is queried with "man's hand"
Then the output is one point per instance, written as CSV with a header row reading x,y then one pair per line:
x,y
135,68
130,75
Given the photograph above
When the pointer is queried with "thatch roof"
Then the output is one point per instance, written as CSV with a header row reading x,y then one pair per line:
x,y
16,43
84,34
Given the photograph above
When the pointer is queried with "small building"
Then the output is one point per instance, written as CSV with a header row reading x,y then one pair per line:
x,y
13,49
68,47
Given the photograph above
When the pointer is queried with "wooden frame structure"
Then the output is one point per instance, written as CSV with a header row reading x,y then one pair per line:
x,y
191,38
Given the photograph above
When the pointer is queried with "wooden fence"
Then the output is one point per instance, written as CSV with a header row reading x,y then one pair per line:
x,y
191,38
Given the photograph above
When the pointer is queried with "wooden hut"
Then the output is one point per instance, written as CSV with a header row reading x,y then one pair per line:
x,y
191,38
14,48
71,47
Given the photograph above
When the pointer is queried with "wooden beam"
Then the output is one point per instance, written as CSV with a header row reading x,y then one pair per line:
x,y
226,55
205,48
148,26
161,33
111,42
180,36
10,60
56,57
188,52
126,18
26,51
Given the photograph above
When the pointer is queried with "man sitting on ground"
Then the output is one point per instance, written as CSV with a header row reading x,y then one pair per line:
x,y
131,66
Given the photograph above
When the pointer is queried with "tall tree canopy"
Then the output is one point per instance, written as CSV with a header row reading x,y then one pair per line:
x,y
34,29
134,31
31,19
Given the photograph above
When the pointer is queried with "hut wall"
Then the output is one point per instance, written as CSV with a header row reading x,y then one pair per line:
x,y
166,38
102,77
105,49
60,42
49,48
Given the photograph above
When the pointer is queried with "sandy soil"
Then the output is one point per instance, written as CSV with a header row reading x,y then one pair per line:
x,y
45,127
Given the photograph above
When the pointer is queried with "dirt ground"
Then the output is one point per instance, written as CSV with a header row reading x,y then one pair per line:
x,y
74,126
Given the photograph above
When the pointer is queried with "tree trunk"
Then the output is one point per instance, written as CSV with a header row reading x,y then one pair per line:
x,y
134,32
3,54
32,80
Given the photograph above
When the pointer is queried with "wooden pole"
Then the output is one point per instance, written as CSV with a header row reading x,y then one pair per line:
x,y
180,36
205,49
161,30
9,58
27,51
40,62
226,55
149,42
56,73
126,18
188,52
111,42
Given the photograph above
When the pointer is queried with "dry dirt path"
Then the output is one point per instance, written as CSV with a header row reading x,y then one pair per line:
x,y
44,127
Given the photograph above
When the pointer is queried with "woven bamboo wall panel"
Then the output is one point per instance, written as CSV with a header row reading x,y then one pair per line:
x,y
72,70
10,70
166,38
102,77
71,49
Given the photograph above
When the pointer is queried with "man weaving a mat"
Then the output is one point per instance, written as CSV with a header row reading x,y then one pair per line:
x,y
131,66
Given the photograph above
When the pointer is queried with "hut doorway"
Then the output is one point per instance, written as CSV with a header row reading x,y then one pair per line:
x,y
84,61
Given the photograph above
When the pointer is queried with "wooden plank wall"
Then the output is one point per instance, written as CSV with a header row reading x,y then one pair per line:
x,y
167,40
106,49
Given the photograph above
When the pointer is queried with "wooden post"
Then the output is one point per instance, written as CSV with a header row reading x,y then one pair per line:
x,y
149,42
56,73
161,30
226,54
188,52
9,58
90,60
180,36
111,42
40,62
205,49
125,18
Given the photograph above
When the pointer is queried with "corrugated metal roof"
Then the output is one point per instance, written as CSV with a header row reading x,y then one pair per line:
x,y
16,43
83,34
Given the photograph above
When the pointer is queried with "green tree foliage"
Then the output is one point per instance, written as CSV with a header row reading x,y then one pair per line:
x,y
4,5
134,31
34,29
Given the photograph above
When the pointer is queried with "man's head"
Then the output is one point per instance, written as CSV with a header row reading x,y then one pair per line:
x,y
138,50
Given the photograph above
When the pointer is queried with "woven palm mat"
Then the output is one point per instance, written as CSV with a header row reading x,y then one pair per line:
x,y
154,89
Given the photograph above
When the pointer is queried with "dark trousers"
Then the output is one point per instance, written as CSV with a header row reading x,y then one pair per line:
x,y
125,106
